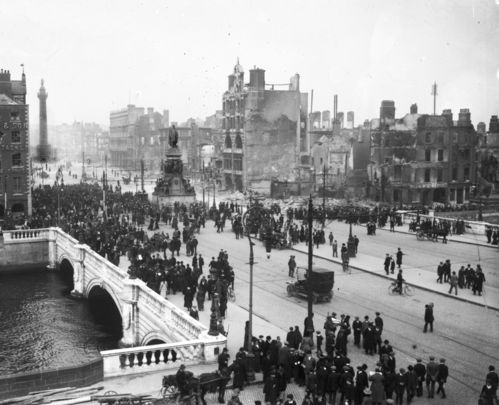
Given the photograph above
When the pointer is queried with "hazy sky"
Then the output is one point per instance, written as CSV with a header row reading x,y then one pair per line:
x,y
97,55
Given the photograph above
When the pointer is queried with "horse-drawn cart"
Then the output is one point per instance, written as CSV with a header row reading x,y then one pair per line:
x,y
432,234
198,387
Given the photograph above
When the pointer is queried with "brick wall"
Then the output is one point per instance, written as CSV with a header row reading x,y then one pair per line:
x,y
75,376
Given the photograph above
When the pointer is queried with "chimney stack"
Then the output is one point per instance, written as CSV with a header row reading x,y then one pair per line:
x,y
414,109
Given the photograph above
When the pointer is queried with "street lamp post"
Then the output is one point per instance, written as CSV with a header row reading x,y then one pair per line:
x,y
267,218
351,240
310,256
214,189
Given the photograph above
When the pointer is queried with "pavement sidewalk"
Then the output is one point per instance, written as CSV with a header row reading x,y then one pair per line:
x,y
469,238
413,276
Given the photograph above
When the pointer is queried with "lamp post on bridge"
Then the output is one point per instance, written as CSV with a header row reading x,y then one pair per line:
x,y
248,223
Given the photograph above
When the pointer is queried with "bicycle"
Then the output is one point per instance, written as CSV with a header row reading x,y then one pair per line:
x,y
346,267
393,289
231,294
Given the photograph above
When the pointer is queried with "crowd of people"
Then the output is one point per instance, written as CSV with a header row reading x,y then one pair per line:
x,y
318,361
466,277
116,229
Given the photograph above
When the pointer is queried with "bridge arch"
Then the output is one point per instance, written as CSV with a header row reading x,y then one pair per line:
x,y
98,283
154,337
64,257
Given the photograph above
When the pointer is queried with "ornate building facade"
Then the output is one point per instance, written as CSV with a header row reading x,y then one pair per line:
x,y
15,173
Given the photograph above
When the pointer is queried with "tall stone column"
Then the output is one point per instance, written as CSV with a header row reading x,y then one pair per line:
x,y
44,149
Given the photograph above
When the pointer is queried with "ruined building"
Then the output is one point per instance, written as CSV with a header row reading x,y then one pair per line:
x,y
488,156
422,159
263,127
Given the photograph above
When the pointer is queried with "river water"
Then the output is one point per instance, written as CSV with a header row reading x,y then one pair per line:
x,y
42,327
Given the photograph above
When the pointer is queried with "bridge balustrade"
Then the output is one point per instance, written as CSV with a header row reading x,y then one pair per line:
x,y
168,356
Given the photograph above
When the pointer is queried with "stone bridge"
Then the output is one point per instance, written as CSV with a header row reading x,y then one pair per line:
x,y
147,318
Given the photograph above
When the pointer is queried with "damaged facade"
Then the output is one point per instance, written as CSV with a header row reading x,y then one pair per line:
x,y
422,159
488,151
262,128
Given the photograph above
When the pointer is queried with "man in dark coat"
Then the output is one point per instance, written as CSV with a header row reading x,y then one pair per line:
x,y
412,383
493,377
387,264
309,326
389,384
400,386
333,385
420,370
223,359
239,373
181,379
357,330
290,338
270,389
266,365
378,321
428,318
369,340
385,350
443,373
361,383
432,371
391,362
440,272
298,337
399,258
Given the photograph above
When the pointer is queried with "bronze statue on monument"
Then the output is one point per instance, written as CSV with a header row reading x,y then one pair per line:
x,y
173,137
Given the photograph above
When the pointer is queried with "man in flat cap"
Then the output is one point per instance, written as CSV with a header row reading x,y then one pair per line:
x,y
443,373
431,376
420,370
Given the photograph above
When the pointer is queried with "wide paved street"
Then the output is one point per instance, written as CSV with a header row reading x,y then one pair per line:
x,y
465,334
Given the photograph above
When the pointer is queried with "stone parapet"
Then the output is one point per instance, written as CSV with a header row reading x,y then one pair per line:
x,y
149,359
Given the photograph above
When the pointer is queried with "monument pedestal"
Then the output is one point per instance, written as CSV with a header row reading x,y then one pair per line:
x,y
44,152
172,186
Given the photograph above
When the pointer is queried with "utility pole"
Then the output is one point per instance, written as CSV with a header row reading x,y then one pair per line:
x,y
434,93
310,253
324,194
142,173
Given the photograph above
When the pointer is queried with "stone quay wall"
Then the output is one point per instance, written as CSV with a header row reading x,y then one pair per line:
x,y
19,385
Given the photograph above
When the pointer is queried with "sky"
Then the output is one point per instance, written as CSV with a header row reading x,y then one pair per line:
x,y
98,56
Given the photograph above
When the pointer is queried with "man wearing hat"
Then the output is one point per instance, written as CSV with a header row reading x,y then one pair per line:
x,y
270,388
291,266
378,321
181,379
234,400
333,384
361,383
431,376
412,383
357,330
493,377
223,359
385,350
400,385
443,373
420,370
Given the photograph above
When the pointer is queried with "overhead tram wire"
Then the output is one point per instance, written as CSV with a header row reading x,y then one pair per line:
x,y
369,307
